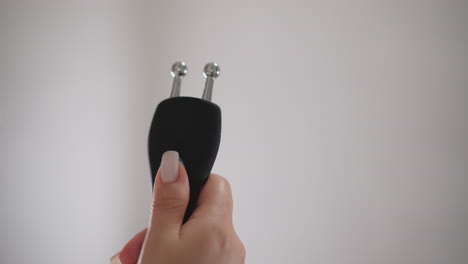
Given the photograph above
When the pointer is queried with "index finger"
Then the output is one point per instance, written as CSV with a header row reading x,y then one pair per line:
x,y
215,200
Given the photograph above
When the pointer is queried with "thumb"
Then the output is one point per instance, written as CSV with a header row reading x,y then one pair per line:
x,y
170,198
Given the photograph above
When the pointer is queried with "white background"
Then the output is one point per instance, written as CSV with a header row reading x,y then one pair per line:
x,y
344,125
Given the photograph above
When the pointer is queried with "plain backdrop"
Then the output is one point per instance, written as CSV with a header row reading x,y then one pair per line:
x,y
345,125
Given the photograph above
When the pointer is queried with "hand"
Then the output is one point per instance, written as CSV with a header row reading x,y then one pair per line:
x,y
208,237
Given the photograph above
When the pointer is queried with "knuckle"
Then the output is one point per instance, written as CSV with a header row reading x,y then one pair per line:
x,y
242,251
224,182
224,187
219,179
167,203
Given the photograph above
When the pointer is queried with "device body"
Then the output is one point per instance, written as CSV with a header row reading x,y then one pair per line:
x,y
192,127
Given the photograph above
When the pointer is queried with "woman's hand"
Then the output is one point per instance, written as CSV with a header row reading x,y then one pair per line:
x,y
208,237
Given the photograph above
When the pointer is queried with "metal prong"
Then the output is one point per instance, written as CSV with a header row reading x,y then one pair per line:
x,y
178,70
211,72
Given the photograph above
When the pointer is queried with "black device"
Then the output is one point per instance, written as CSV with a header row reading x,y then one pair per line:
x,y
190,126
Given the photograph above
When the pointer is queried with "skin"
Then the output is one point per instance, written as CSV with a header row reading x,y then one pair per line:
x,y
208,237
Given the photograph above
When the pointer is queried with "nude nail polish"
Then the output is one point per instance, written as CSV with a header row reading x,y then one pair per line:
x,y
170,166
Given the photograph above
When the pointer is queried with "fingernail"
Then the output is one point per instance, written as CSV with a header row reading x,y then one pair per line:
x,y
169,166
115,259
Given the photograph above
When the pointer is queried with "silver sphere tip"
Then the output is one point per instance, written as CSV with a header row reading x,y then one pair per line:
x,y
211,70
179,69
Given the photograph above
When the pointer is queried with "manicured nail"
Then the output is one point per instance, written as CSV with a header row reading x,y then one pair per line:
x,y
169,166
115,259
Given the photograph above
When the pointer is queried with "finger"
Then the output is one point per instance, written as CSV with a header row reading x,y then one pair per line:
x,y
170,198
215,200
131,251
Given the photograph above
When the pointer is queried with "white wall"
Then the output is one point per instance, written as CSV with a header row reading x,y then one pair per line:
x,y
344,133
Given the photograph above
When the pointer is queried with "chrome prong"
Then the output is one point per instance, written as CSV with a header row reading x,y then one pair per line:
x,y
178,70
211,72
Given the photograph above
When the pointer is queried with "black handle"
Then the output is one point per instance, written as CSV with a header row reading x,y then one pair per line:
x,y
192,127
